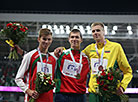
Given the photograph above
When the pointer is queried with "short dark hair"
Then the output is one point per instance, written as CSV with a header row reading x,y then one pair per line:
x,y
75,31
44,31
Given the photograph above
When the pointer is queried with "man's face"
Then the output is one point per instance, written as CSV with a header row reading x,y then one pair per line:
x,y
98,32
45,41
75,40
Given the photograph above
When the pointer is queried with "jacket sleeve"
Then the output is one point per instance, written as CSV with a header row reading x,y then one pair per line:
x,y
86,51
124,67
21,72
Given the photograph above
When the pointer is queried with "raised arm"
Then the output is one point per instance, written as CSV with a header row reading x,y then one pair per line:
x,y
58,51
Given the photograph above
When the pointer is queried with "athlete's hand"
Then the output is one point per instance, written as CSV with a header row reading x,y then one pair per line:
x,y
18,49
58,51
120,91
33,93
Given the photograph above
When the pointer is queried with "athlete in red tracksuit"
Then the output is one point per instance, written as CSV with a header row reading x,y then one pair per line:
x,y
32,63
66,73
72,70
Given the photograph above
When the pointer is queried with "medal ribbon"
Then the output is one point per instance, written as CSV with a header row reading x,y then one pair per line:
x,y
75,61
100,58
42,65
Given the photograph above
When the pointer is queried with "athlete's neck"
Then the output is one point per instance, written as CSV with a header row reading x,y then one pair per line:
x,y
101,41
75,48
100,44
45,51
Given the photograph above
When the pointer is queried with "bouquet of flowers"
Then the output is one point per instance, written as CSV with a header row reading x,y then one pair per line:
x,y
43,83
108,81
15,33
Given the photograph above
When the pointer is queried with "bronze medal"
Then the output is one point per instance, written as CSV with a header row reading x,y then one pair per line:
x,y
100,68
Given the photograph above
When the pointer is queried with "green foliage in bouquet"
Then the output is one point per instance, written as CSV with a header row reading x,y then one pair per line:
x,y
43,83
16,34
13,55
108,81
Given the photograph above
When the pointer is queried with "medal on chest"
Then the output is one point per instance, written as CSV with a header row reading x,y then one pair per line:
x,y
100,67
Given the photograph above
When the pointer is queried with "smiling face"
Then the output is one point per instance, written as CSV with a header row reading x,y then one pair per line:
x,y
98,33
45,40
75,40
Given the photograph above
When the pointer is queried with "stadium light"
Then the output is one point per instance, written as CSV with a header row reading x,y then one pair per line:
x,y
106,27
49,27
57,31
115,28
55,27
43,26
81,29
130,32
67,27
75,27
129,28
113,32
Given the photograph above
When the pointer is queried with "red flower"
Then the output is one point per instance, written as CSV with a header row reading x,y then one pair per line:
x,y
25,28
98,81
9,25
102,70
14,27
22,29
50,82
45,78
110,77
103,73
105,87
102,82
54,85
21,25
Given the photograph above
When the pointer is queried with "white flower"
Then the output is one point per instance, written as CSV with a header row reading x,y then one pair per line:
x,y
17,24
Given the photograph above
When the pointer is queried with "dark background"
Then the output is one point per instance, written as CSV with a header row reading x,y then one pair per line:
x,y
87,6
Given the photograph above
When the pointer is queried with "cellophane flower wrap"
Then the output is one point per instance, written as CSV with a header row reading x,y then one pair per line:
x,y
15,33
107,84
43,83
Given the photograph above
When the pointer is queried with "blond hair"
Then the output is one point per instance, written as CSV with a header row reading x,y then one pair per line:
x,y
97,23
